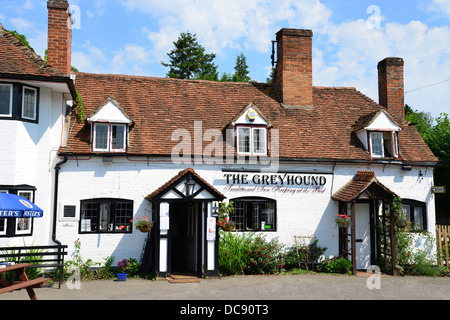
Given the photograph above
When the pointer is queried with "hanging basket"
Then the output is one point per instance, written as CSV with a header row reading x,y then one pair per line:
x,y
343,221
228,226
144,229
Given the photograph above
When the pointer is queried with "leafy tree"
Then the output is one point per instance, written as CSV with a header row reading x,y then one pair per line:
x,y
188,60
241,68
436,134
241,71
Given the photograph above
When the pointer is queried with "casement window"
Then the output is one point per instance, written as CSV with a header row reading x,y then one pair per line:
x,y
23,225
254,214
6,98
29,98
109,137
106,216
251,140
17,227
415,212
19,102
383,144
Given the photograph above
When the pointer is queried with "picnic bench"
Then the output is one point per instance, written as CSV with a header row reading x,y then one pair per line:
x,y
29,285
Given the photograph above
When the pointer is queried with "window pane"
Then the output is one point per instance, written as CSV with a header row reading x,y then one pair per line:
x,y
238,216
407,211
29,103
259,140
376,142
89,215
101,136
5,100
124,213
244,140
118,137
418,217
2,226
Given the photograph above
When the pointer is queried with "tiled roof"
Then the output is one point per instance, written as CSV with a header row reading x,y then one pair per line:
x,y
18,59
360,183
158,106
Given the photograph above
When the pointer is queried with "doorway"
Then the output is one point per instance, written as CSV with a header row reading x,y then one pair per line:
x,y
185,238
363,236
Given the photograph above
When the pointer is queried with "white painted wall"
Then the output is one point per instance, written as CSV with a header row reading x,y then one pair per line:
x,y
306,213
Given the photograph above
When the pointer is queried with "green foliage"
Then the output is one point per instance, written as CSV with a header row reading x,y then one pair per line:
x,y
21,38
81,109
333,265
436,134
248,253
306,254
263,257
189,61
241,71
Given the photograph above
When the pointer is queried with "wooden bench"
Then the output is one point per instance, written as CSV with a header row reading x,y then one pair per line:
x,y
29,285
48,257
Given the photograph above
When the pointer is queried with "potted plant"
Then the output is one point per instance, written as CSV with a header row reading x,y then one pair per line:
x,y
122,276
343,221
144,225
225,211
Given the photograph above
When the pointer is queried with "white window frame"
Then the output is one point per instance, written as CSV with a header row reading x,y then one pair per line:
x,y
27,195
109,144
23,103
394,150
9,115
252,130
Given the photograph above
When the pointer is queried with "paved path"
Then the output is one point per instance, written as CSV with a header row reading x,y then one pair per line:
x,y
279,287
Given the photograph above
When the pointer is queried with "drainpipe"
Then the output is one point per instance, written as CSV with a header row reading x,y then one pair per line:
x,y
55,198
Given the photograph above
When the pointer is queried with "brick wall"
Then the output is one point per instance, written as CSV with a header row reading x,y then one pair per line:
x,y
59,35
391,86
294,67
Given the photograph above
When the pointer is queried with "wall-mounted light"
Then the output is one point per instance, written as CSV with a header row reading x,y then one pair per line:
x,y
189,187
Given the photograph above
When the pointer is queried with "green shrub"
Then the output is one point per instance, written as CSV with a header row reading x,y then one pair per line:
x,y
248,253
333,265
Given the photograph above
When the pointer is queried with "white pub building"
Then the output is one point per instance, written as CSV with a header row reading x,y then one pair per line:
x,y
290,155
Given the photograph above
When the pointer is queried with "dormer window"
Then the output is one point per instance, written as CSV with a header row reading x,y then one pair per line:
x,y
109,137
251,140
110,127
378,133
251,130
383,144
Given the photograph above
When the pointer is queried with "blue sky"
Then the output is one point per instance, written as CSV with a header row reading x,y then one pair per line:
x,y
350,37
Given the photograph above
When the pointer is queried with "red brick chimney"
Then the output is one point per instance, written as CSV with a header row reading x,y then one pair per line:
x,y
59,35
293,75
390,86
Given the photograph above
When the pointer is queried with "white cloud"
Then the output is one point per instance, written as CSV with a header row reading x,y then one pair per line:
x,y
441,7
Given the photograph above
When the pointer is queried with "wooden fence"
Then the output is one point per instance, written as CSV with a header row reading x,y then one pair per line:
x,y
443,243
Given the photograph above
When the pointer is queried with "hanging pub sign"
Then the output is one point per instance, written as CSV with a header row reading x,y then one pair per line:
x,y
438,189
286,183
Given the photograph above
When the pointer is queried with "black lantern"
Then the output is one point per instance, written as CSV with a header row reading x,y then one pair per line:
x,y
189,187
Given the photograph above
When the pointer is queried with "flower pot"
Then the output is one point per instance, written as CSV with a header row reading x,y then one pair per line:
x,y
343,225
122,277
145,229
